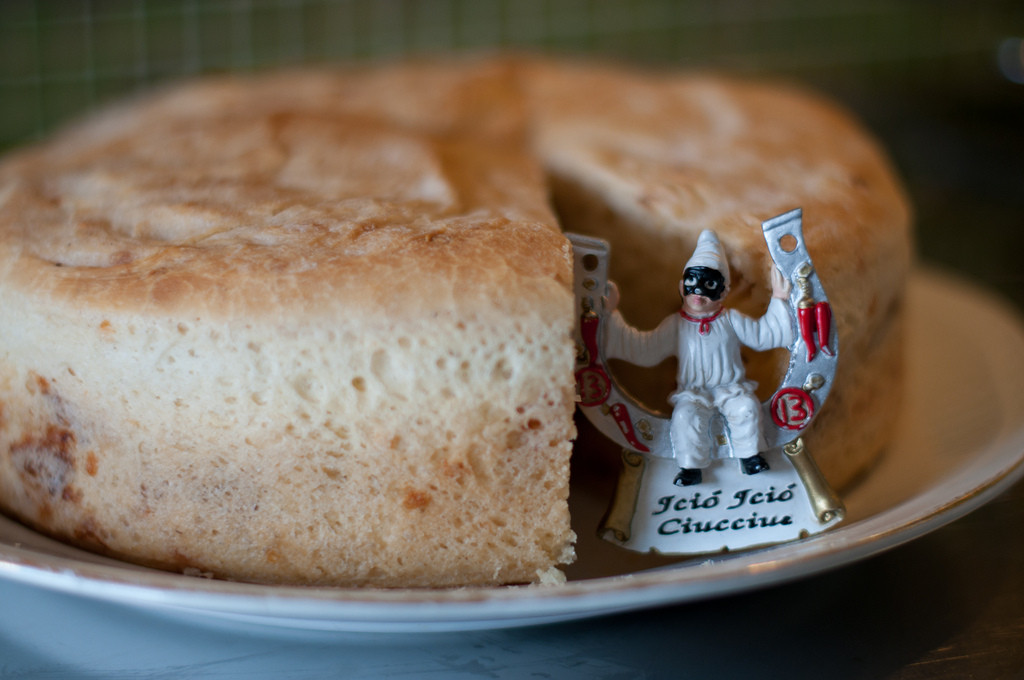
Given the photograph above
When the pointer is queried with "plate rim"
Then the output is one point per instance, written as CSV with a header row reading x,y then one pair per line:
x,y
416,610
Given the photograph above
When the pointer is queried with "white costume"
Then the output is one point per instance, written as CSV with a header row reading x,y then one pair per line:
x,y
711,375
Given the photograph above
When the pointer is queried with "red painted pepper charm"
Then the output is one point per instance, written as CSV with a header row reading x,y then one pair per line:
x,y
823,320
808,327
813,318
621,416
592,382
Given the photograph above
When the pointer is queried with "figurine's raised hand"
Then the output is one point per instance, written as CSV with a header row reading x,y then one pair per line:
x,y
611,297
781,287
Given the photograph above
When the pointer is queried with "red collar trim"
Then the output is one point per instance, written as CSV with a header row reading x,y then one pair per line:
x,y
704,322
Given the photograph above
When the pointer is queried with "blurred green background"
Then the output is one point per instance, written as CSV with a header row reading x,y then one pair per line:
x,y
941,82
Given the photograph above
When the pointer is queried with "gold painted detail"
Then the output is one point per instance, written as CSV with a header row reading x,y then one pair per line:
x,y
582,355
803,284
619,518
826,504
814,381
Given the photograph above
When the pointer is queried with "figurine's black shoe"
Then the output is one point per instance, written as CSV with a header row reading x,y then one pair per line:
x,y
688,477
754,464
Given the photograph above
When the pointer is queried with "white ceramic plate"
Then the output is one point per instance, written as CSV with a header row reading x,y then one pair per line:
x,y
961,442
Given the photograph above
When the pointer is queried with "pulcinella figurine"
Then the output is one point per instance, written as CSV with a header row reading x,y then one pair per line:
x,y
724,471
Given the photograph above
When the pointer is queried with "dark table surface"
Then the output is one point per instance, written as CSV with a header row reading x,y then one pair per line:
x,y
949,605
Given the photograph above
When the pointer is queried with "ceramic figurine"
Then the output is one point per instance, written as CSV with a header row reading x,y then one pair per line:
x,y
724,471
706,338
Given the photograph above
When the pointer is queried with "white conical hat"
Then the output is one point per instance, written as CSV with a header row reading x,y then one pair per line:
x,y
709,253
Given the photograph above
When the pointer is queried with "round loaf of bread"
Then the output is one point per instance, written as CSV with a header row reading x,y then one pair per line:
x,y
316,327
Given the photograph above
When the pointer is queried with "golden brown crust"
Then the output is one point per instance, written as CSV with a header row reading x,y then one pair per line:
x,y
291,187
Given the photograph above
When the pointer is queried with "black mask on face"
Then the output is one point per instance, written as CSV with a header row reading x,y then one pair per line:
x,y
704,281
